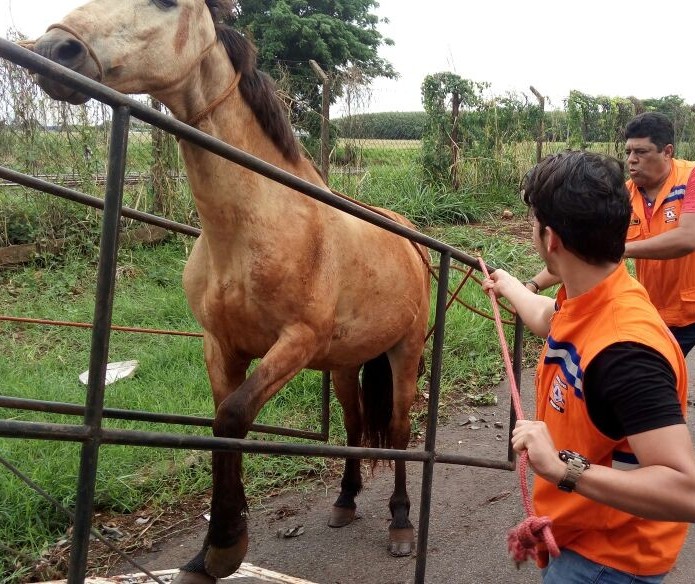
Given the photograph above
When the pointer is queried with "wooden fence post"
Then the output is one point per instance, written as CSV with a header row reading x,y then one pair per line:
x,y
325,117
541,128
454,140
164,167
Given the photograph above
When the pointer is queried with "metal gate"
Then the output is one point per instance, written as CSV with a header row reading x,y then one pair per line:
x,y
91,433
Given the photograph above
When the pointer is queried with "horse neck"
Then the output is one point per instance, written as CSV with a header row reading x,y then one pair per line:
x,y
199,87
226,194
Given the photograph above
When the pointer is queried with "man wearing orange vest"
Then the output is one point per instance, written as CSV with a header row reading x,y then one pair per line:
x,y
614,462
661,236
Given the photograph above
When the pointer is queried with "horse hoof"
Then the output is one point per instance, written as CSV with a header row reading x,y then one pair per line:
x,y
401,542
184,577
341,516
221,562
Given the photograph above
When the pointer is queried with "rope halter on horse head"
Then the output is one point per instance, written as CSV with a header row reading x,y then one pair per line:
x,y
197,117
208,109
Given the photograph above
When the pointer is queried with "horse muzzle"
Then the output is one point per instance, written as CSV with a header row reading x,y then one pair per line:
x,y
65,49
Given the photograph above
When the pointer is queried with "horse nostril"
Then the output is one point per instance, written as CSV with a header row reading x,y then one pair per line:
x,y
68,51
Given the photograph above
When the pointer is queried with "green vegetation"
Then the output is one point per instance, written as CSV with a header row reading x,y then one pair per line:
x,y
336,34
341,37
584,120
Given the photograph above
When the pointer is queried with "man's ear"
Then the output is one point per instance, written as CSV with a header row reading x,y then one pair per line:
x,y
668,151
552,240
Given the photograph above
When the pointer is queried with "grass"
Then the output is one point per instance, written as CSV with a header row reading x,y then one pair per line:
x,y
392,179
75,157
41,362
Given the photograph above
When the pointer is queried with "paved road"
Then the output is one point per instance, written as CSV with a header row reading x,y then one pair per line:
x,y
472,510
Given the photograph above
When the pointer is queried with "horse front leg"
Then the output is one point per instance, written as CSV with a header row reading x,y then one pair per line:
x,y
226,371
346,386
227,539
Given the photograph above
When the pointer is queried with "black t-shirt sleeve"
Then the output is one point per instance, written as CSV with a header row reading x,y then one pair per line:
x,y
631,388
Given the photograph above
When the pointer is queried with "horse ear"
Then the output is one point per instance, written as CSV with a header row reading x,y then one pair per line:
x,y
27,44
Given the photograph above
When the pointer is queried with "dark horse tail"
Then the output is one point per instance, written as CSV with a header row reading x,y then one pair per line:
x,y
376,395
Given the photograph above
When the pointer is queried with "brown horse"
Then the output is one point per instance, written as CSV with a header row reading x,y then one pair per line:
x,y
275,274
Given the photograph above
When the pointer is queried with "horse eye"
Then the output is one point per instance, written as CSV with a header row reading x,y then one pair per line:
x,y
165,3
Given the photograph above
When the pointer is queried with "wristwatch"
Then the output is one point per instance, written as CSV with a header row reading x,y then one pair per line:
x,y
576,465
534,284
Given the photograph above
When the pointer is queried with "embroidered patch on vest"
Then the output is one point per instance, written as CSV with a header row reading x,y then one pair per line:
x,y
557,395
670,214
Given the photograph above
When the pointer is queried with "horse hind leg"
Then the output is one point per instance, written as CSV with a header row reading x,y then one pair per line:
x,y
405,372
387,394
346,386
401,530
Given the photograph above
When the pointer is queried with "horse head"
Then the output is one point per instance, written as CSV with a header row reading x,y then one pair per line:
x,y
133,46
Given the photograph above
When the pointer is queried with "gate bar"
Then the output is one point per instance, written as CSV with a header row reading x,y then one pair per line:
x,y
106,281
35,405
74,433
516,368
432,411
95,202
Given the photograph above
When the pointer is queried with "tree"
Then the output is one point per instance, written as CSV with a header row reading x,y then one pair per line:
x,y
445,97
680,113
337,34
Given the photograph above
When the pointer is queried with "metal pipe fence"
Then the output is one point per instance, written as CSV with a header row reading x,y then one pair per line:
x,y
92,435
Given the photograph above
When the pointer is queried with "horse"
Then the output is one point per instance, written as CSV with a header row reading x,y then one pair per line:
x,y
274,275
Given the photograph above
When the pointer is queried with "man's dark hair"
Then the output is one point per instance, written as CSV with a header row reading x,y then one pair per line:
x,y
582,197
653,125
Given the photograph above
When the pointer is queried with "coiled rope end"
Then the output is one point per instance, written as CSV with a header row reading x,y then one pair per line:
x,y
522,540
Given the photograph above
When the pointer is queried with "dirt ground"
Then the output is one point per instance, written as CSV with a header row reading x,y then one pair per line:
x,y
472,510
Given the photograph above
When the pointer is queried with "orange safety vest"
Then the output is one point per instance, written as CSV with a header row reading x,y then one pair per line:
x,y
617,310
670,283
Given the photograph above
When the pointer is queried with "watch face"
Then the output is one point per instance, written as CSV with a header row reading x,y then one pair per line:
x,y
566,455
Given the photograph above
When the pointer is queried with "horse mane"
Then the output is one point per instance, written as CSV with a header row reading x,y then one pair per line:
x,y
259,91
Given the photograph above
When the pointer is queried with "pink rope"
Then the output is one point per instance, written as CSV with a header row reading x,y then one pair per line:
x,y
522,540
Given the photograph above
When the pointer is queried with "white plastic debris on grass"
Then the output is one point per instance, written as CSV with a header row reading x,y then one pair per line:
x,y
114,371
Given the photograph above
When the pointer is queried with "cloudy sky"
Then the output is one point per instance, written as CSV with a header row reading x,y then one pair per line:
x,y
607,47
